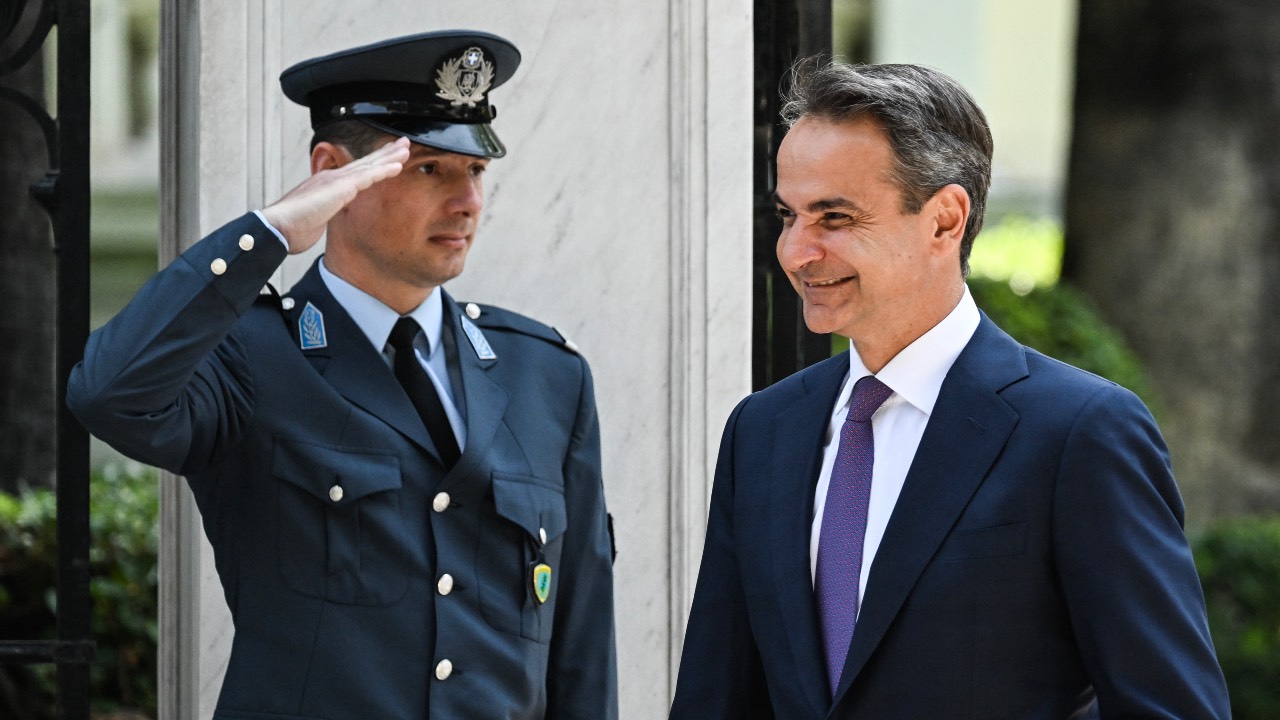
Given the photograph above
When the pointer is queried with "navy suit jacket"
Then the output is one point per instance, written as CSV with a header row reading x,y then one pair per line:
x,y
1034,561
341,605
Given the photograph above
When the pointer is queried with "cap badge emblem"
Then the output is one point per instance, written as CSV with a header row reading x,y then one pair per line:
x,y
465,79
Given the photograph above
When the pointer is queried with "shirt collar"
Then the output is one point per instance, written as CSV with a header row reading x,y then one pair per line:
x,y
917,371
375,319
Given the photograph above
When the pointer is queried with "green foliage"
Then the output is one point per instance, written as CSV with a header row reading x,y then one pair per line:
x,y
122,558
1014,278
1061,323
1026,252
1239,565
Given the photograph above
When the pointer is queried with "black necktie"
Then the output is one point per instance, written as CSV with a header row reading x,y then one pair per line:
x,y
421,391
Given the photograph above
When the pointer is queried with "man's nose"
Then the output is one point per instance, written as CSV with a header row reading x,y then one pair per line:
x,y
798,245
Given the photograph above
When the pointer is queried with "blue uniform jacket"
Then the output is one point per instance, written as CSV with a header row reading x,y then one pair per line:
x,y
364,581
1034,561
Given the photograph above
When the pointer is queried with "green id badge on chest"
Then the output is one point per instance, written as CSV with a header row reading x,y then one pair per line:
x,y
540,577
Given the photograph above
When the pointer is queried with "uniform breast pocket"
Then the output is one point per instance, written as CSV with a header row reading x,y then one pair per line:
x,y
519,553
340,528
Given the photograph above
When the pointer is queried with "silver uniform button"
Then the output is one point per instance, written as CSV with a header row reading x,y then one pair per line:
x,y
473,311
445,586
286,303
542,535
335,493
246,242
444,669
569,344
441,502
218,266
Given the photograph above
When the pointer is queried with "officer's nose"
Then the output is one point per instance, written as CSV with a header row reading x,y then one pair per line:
x,y
467,197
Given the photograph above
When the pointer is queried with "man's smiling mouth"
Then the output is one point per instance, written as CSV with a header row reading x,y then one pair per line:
x,y
827,283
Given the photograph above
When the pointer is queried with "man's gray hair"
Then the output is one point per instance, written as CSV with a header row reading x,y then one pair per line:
x,y
938,134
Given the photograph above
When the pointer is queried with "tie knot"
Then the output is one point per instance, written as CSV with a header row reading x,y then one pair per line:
x,y
404,333
868,395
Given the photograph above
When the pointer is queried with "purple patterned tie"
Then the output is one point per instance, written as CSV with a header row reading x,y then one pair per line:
x,y
844,523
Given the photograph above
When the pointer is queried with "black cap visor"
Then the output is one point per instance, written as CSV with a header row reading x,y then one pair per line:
x,y
476,139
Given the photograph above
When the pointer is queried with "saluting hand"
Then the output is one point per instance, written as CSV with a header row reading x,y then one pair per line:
x,y
302,214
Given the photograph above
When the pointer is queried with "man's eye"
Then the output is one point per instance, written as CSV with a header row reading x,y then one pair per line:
x,y
477,170
427,169
784,214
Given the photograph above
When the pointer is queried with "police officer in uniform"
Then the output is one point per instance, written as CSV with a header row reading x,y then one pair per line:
x,y
403,492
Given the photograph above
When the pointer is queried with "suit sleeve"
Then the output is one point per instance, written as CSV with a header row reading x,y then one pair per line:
x,y
1131,587
721,675
165,382
582,677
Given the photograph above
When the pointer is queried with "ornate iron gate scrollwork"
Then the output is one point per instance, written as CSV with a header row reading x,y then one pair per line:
x,y
64,193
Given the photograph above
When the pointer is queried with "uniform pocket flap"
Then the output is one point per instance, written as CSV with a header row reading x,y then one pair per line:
x,y
336,476
531,504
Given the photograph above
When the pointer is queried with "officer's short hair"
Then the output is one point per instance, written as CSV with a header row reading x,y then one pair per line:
x,y
358,138
937,132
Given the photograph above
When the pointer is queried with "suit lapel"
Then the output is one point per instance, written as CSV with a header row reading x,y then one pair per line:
x,y
968,428
352,366
486,401
797,453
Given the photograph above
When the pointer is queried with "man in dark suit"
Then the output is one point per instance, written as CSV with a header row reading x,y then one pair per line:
x,y
941,523
403,493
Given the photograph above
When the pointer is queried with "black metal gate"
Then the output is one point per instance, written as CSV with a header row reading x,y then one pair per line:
x,y
64,193
781,344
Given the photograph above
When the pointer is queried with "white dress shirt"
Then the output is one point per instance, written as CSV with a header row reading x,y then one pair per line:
x,y
915,375
376,320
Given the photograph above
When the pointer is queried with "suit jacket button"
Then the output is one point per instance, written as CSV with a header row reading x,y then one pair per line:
x,y
246,242
542,535
441,502
445,586
444,669
473,311
218,266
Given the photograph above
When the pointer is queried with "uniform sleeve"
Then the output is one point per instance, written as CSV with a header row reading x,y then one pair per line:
x,y
721,675
165,382
582,682
1126,570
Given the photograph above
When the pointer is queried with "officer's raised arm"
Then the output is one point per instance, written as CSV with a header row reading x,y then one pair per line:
x,y
302,214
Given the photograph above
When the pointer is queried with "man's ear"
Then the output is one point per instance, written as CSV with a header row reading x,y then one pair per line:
x,y
327,156
949,209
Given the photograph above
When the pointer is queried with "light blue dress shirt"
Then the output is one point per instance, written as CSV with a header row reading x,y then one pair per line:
x,y
375,320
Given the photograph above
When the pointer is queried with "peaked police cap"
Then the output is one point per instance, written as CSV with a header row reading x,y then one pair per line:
x,y
432,88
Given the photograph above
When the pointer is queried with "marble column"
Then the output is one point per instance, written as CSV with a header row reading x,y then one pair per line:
x,y
622,215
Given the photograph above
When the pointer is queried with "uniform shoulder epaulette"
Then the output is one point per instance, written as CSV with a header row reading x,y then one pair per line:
x,y
490,317
268,296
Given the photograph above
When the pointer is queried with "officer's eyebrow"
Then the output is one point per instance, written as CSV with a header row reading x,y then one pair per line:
x,y
425,151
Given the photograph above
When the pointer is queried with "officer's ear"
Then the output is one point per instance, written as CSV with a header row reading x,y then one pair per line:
x,y
327,156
